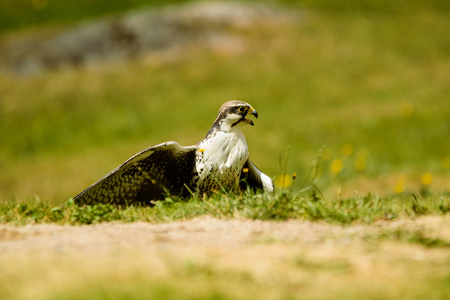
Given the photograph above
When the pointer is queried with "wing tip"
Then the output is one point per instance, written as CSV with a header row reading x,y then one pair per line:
x,y
267,183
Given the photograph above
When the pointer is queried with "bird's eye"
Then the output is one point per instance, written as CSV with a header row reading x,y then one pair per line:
x,y
242,109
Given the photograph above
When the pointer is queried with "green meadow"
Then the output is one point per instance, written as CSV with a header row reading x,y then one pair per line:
x,y
353,100
364,88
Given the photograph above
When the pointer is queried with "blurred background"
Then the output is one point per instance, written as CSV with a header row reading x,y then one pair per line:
x,y
354,93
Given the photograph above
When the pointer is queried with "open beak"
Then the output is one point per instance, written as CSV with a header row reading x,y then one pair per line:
x,y
251,111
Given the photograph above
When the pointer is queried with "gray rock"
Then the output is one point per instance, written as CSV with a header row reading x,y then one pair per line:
x,y
135,34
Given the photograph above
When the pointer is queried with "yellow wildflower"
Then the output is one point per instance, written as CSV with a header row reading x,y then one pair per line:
x,y
399,186
336,166
347,149
283,181
427,178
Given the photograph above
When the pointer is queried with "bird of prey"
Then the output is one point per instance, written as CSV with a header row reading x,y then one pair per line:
x,y
220,161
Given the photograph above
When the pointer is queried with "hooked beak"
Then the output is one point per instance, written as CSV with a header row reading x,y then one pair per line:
x,y
251,111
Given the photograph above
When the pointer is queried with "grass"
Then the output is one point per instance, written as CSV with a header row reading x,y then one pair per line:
x,y
371,256
20,14
374,254
277,207
364,253
375,83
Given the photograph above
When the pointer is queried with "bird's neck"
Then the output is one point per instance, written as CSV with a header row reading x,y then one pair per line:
x,y
221,138
225,148
221,126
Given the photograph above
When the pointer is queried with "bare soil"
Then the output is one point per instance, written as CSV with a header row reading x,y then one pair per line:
x,y
318,259
201,232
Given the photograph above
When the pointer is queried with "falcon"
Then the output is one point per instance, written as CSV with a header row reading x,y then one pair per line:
x,y
219,162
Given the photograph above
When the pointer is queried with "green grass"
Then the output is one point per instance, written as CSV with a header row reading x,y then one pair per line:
x,y
414,237
22,14
277,207
361,74
374,259
371,77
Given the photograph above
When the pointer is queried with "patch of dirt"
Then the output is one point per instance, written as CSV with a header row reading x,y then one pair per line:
x,y
200,232
313,260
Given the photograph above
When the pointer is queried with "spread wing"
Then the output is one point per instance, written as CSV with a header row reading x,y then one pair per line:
x,y
149,175
252,178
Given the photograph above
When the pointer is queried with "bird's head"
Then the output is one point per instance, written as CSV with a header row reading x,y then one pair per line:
x,y
233,114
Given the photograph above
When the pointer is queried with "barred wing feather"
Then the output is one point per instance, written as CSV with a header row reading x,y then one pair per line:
x,y
149,175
